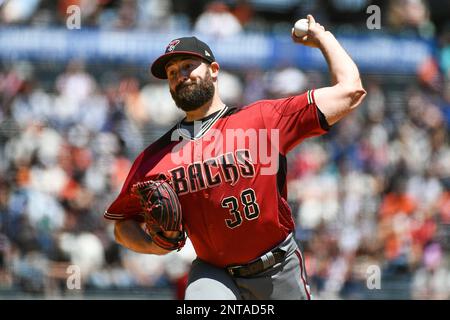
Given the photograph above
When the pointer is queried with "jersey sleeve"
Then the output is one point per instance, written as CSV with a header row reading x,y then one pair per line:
x,y
126,206
296,118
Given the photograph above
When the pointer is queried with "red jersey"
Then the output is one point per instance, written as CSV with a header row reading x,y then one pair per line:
x,y
230,178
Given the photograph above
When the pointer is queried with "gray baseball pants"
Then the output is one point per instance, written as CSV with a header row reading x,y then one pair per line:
x,y
283,281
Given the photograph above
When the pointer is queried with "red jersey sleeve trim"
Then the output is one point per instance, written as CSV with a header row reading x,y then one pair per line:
x,y
310,97
112,216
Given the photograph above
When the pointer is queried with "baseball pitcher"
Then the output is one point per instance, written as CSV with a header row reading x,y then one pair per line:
x,y
219,175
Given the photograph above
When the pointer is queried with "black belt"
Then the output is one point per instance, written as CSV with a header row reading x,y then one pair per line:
x,y
259,265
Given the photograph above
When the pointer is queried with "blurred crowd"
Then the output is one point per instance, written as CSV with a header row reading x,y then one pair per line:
x,y
422,17
372,195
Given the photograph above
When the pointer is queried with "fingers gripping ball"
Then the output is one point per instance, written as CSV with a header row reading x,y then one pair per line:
x,y
162,211
301,28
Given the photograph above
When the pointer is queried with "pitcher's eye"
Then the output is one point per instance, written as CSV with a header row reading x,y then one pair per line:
x,y
171,74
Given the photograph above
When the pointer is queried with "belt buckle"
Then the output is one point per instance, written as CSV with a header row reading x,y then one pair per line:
x,y
279,253
232,270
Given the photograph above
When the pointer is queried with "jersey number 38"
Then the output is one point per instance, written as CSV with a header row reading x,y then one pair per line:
x,y
249,204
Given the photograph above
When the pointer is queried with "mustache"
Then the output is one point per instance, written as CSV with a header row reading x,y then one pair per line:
x,y
183,85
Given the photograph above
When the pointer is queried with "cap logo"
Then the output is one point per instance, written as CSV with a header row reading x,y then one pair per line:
x,y
171,46
207,54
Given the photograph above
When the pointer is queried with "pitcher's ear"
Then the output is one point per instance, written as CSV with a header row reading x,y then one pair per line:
x,y
215,67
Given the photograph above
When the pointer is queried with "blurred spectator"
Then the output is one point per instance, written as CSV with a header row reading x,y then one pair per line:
x,y
346,12
244,12
230,88
157,15
217,21
75,83
397,201
432,280
134,106
444,205
84,250
285,82
6,277
17,11
159,104
411,16
75,86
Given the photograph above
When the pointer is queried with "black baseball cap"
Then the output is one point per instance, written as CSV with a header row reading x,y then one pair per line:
x,y
181,46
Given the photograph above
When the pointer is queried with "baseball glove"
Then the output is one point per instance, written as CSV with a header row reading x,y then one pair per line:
x,y
162,211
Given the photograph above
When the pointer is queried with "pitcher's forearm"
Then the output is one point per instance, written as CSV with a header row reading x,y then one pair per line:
x,y
346,91
129,234
342,68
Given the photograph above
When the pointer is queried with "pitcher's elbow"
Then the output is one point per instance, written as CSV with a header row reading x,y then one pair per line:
x,y
357,94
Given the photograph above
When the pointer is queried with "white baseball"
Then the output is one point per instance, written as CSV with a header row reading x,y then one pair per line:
x,y
301,28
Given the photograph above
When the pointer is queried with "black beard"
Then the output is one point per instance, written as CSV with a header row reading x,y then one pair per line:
x,y
193,96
